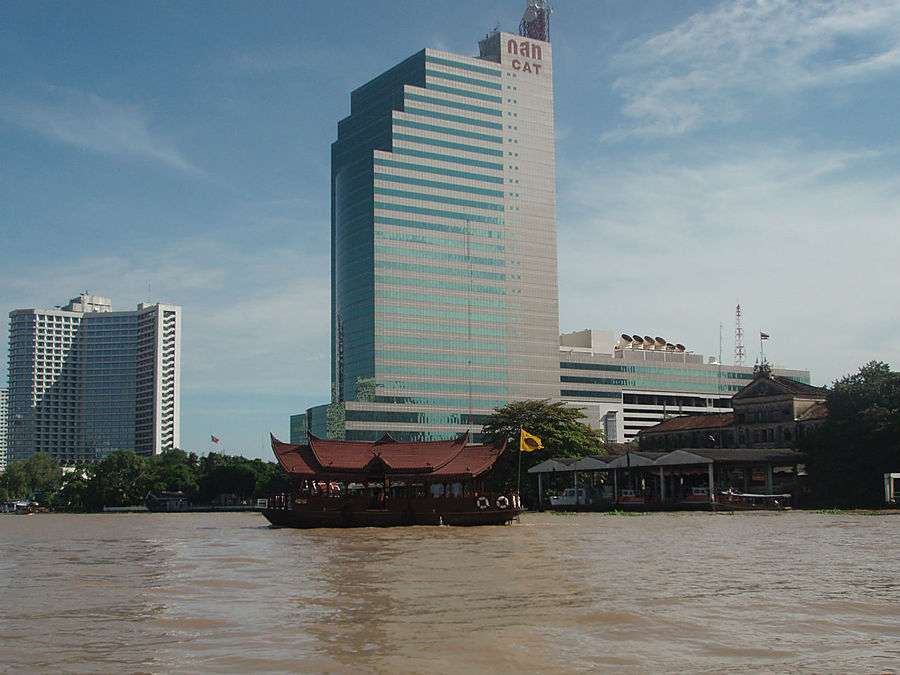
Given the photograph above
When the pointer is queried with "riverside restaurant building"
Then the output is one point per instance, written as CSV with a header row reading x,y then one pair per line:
x,y
682,479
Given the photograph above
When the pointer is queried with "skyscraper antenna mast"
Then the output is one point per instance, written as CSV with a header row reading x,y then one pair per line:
x,y
535,22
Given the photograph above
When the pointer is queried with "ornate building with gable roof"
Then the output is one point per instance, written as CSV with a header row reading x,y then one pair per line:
x,y
770,412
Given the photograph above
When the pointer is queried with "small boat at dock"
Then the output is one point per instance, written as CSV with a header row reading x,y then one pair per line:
x,y
732,500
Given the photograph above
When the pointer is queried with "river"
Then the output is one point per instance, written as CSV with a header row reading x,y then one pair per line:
x,y
225,593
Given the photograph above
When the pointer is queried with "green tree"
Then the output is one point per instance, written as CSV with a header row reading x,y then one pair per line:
x,y
174,471
560,428
227,475
271,478
72,494
38,477
859,442
121,479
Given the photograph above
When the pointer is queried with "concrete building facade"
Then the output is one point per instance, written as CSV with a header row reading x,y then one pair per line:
x,y
85,380
633,382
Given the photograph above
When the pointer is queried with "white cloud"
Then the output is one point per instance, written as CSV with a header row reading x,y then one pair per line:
x,y
88,121
705,69
804,241
254,321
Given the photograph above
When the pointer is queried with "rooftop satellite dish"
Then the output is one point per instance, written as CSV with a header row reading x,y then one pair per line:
x,y
530,15
626,337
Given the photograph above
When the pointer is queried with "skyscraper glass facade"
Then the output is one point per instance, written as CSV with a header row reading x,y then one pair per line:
x,y
444,241
444,264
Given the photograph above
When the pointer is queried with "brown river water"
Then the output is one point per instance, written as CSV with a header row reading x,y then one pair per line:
x,y
670,593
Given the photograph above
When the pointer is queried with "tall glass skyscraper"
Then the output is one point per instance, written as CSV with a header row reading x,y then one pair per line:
x,y
444,263
84,380
444,260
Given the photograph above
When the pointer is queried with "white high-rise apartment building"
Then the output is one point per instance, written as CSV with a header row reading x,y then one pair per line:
x,y
85,380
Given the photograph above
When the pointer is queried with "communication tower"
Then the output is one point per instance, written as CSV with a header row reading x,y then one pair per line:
x,y
535,23
738,337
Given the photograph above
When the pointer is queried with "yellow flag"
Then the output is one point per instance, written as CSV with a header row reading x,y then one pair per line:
x,y
529,442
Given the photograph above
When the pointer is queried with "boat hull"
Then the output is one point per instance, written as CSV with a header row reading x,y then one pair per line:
x,y
311,516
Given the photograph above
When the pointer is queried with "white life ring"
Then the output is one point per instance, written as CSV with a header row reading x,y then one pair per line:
x,y
502,502
482,503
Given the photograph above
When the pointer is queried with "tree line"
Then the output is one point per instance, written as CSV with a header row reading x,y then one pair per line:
x,y
847,456
859,442
124,478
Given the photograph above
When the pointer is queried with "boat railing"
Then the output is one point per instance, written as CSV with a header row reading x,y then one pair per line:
x,y
380,501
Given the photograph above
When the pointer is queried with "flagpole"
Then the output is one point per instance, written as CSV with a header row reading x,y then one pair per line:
x,y
519,475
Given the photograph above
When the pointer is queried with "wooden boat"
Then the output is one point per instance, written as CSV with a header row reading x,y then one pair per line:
x,y
388,483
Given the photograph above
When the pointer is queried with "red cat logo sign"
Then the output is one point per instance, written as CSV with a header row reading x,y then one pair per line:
x,y
530,53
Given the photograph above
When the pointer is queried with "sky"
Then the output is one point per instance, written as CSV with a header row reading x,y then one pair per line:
x,y
708,153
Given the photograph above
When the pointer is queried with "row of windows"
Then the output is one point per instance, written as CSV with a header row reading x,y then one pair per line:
x,y
448,158
437,255
596,380
464,93
456,187
450,145
404,208
435,283
440,328
389,192
591,394
462,78
447,117
435,241
674,400
443,386
443,372
654,370
439,343
439,299
438,227
441,358
441,314
429,269
403,417
465,66
410,96
398,122
441,171
668,384
447,402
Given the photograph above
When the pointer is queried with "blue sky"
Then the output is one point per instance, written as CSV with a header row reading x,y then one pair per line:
x,y
707,153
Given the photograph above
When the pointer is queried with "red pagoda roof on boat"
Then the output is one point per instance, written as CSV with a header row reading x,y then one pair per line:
x,y
432,459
